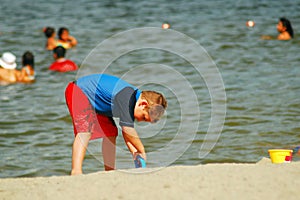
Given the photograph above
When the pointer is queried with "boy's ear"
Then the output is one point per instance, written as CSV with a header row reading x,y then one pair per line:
x,y
144,103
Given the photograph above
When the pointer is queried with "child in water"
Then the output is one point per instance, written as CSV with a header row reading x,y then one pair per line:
x,y
61,64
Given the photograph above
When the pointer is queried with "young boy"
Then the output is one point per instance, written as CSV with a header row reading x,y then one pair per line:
x,y
61,64
94,100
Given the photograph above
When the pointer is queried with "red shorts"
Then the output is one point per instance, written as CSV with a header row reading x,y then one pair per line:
x,y
84,116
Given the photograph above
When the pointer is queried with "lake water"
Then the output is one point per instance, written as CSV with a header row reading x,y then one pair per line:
x,y
260,80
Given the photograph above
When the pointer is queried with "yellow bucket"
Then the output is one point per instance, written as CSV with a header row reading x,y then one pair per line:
x,y
280,155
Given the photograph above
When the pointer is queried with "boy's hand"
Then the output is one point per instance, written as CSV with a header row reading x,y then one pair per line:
x,y
139,162
136,154
133,141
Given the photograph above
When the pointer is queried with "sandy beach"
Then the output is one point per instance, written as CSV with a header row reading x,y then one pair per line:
x,y
262,180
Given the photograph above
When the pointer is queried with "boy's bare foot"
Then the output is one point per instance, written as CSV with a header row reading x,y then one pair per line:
x,y
75,172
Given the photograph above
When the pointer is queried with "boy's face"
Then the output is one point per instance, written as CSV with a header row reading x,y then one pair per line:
x,y
140,112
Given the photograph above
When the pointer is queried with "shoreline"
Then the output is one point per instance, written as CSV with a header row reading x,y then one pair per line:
x,y
209,181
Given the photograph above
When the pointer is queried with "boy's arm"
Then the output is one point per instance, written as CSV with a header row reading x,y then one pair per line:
x,y
133,141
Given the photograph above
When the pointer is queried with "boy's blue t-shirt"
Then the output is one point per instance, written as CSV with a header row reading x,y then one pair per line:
x,y
110,96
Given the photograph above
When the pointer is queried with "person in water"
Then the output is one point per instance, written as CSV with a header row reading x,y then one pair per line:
x,y
61,64
8,72
65,39
51,38
285,29
27,74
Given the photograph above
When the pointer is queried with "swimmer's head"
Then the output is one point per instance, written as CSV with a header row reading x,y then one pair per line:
x,y
59,52
250,23
49,31
165,26
63,33
28,59
285,25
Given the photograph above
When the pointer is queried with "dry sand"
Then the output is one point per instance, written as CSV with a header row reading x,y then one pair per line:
x,y
262,180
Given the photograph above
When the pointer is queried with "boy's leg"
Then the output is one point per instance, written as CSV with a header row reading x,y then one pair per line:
x,y
80,145
109,152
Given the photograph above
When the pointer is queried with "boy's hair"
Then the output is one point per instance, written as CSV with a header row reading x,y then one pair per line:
x,y
157,104
49,31
28,59
59,51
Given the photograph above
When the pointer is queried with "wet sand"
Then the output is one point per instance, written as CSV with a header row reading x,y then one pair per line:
x,y
262,180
